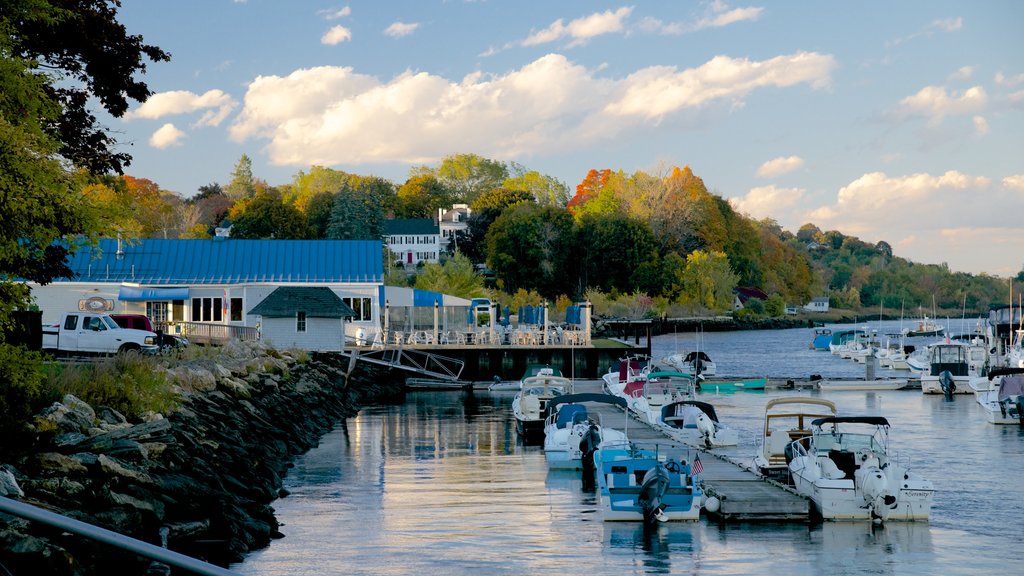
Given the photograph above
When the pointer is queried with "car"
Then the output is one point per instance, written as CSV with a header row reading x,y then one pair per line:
x,y
165,342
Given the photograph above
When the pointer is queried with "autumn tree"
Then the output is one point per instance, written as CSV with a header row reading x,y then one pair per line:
x,y
708,282
422,195
242,184
268,216
466,175
545,190
456,277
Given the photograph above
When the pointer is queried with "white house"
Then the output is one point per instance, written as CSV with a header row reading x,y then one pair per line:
x,y
819,304
413,240
304,317
452,221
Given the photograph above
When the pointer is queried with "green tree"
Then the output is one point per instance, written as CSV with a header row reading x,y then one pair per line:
x,y
529,247
242,184
456,277
268,216
467,175
610,247
775,306
707,281
422,195
545,190
485,210
358,211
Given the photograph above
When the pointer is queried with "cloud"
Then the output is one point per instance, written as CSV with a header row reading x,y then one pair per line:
x,y
332,115
334,13
947,25
400,29
1015,182
1011,81
721,16
658,90
768,201
964,73
581,30
779,166
216,103
934,103
981,127
336,35
166,136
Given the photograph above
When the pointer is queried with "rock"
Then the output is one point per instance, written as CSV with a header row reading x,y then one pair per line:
x,y
112,417
63,419
112,467
78,406
9,485
56,464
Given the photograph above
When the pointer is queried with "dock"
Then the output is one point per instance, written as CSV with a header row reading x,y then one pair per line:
x,y
743,494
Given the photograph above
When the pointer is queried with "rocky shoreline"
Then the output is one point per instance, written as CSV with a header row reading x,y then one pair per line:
x,y
205,475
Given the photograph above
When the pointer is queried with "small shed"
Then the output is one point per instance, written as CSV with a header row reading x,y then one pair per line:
x,y
305,317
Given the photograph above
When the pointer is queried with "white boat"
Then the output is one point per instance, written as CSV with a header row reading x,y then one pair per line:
x,y
500,385
642,485
697,363
645,397
530,406
846,469
631,370
572,434
924,327
787,419
695,423
951,365
1003,402
877,384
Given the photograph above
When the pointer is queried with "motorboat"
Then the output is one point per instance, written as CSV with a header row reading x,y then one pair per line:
x,y
641,485
822,338
530,406
951,365
846,469
697,363
646,397
1003,402
876,384
695,422
733,385
572,434
631,370
925,327
500,385
787,419
841,339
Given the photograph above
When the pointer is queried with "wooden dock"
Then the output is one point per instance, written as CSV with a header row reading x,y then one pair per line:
x,y
743,494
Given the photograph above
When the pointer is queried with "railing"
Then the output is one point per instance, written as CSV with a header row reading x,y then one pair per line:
x,y
112,538
204,333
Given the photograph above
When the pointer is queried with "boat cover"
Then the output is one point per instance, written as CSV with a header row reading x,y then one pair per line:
x,y
1011,386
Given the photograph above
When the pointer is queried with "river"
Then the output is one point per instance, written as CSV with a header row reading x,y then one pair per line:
x,y
440,485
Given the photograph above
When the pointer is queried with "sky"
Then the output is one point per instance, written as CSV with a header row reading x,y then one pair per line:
x,y
895,121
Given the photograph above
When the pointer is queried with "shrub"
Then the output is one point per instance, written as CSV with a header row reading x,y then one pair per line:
x,y
129,383
21,394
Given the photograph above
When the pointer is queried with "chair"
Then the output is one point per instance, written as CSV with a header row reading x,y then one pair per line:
x,y
777,442
399,338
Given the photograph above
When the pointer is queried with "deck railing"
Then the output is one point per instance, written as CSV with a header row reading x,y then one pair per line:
x,y
204,333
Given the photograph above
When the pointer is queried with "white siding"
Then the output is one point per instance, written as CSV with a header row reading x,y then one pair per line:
x,y
321,335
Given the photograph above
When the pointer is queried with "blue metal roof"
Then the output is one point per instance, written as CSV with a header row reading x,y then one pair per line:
x,y
158,262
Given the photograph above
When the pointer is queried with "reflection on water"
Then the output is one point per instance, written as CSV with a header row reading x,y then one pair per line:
x,y
440,485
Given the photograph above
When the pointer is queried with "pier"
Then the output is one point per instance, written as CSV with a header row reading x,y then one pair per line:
x,y
743,495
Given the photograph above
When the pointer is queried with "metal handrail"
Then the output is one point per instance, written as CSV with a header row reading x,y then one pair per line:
x,y
112,538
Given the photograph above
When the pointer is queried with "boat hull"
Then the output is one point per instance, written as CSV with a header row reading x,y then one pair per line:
x,y
840,500
620,474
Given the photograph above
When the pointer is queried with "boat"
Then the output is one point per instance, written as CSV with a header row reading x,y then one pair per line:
x,y
646,397
822,338
641,485
846,469
787,419
500,385
877,384
1004,402
697,363
733,385
630,369
572,434
951,365
695,422
840,338
925,327
435,384
530,406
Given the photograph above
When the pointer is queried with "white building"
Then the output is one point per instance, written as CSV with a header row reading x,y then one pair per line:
x,y
304,317
819,304
452,221
413,240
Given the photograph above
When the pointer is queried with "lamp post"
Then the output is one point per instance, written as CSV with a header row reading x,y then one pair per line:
x,y
437,307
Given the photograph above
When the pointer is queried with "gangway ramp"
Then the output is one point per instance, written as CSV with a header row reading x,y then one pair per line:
x,y
410,360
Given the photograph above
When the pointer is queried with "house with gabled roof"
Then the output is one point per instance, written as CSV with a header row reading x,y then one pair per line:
x,y
305,317
413,240
214,285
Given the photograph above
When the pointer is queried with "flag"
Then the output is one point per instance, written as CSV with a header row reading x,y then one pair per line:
x,y
697,467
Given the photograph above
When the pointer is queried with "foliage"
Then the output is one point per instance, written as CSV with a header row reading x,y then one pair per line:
x,y
485,210
268,216
755,306
242,184
707,281
132,384
359,209
545,190
529,246
20,396
467,175
610,248
775,306
456,277
422,195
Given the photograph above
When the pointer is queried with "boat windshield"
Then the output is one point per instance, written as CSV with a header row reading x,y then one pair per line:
x,y
846,441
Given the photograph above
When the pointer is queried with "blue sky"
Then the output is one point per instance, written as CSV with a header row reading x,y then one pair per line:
x,y
895,121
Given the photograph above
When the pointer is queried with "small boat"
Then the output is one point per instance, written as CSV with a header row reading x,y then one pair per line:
x,y
695,422
733,385
435,384
846,469
530,406
697,363
951,365
571,434
1004,402
822,338
925,327
646,397
787,419
641,485
878,384
631,369
841,338
500,385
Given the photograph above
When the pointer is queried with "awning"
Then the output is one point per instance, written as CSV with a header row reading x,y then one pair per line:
x,y
132,293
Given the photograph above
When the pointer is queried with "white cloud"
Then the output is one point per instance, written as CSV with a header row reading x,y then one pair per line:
x,y
947,24
335,13
166,136
721,16
658,90
400,29
1015,182
581,30
336,35
216,103
331,115
964,73
769,202
981,127
934,103
779,166
1004,80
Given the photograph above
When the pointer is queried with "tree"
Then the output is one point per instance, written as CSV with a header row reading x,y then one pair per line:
x,y
545,190
242,184
467,175
422,195
268,216
610,248
707,281
485,210
529,247
358,211
456,277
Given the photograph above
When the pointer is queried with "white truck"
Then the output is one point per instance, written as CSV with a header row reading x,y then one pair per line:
x,y
93,333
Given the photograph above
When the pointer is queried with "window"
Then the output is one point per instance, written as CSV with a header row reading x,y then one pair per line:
x,y
71,322
178,310
236,309
207,309
300,321
362,308
157,312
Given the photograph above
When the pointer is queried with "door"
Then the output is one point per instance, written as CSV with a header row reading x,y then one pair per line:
x,y
93,335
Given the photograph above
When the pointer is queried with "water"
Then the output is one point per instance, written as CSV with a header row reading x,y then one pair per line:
x,y
440,485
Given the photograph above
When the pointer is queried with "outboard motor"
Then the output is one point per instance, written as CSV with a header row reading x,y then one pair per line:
x,y
947,383
652,489
874,486
706,426
588,445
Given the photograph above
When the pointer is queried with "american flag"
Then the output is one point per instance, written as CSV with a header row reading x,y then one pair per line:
x,y
697,466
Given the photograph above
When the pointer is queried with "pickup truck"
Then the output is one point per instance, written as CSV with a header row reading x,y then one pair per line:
x,y
165,342
92,333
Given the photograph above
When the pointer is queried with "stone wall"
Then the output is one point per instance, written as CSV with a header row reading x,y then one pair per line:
x,y
207,473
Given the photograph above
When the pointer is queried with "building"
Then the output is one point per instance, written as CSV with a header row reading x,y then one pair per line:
x,y
413,240
742,295
450,222
209,288
819,304
304,317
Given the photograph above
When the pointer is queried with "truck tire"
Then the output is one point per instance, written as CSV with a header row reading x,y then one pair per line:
x,y
128,348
